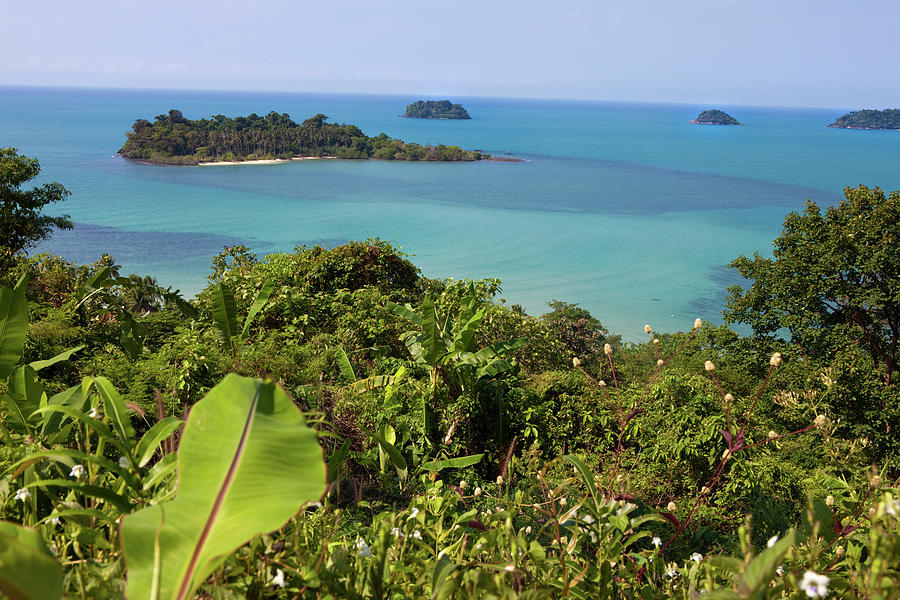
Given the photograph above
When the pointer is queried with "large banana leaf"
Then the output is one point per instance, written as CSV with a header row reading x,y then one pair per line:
x,y
13,324
225,313
27,569
261,298
246,464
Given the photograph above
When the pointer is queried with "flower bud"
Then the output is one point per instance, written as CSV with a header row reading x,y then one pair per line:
x,y
563,501
772,435
726,455
607,349
671,506
839,551
647,329
729,398
601,383
499,479
463,484
660,362
697,323
704,490
709,366
775,360
477,491
528,529
576,363
819,421
829,500
875,481
656,341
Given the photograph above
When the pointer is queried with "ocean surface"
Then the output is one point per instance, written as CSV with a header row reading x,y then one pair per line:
x,y
623,208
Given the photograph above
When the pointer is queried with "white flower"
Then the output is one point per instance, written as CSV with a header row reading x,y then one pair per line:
x,y
892,507
54,549
95,413
709,366
607,349
587,519
395,532
780,570
815,585
413,514
656,542
775,361
278,580
417,534
23,494
124,462
477,491
363,548
54,521
772,541
671,571
647,329
528,529
697,323
77,471
696,557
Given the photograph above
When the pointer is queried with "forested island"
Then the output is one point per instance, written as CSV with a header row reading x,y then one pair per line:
x,y
171,139
715,117
435,109
888,118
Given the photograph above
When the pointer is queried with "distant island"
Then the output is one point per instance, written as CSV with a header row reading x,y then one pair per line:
x,y
435,109
888,118
171,139
715,117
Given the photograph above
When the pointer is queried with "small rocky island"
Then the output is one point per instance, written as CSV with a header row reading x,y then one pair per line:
x,y
715,117
888,118
172,139
435,109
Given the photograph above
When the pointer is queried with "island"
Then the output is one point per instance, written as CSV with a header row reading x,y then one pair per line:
x,y
435,109
715,117
171,139
888,118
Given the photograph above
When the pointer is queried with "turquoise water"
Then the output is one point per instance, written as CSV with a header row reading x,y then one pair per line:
x,y
624,208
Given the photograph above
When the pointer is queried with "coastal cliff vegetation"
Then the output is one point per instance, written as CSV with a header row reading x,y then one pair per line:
x,y
172,139
888,118
328,422
435,109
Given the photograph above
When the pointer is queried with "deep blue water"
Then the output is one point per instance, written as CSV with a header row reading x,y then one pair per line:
x,y
626,209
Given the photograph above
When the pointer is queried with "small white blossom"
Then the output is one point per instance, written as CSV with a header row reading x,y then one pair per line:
x,y
697,323
278,579
819,421
696,557
463,484
647,329
815,585
54,549
671,506
499,479
772,541
54,521
23,494
528,530
77,471
775,361
709,366
607,349
477,491
671,571
829,500
395,532
413,514
417,534
95,413
780,570
124,462
576,363
587,519
656,542
660,362
363,548
892,507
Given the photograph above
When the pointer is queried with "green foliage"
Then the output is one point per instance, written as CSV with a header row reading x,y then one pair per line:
x,y
27,569
888,118
21,223
715,117
172,139
833,280
435,109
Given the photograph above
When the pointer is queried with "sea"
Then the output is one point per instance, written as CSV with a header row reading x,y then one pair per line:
x,y
626,209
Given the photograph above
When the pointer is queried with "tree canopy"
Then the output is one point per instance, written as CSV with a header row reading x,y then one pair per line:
x,y
21,223
436,109
888,118
834,279
173,139
715,117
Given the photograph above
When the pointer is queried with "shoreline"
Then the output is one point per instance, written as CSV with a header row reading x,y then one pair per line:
x,y
261,161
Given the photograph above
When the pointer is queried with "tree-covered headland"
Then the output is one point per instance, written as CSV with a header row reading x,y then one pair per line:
x,y
174,140
330,423
715,117
435,109
888,118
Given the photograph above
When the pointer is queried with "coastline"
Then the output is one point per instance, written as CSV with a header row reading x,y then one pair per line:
x,y
834,126
262,161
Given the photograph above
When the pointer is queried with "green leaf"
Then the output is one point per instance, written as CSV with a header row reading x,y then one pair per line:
x,y
761,569
246,464
94,491
131,337
43,364
24,396
336,460
586,476
453,463
13,325
396,458
116,410
405,311
261,298
72,398
373,383
224,312
442,570
27,569
344,364
160,431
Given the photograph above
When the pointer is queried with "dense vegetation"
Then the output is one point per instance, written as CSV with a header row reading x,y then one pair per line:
x,y
435,109
472,450
715,117
888,118
174,140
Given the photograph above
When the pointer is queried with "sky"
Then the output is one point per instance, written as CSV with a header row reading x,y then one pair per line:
x,y
815,53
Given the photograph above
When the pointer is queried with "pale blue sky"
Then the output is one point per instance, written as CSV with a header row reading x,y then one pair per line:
x,y
767,52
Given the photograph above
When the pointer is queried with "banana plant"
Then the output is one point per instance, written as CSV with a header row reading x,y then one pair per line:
x,y
449,350
27,569
225,313
246,464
